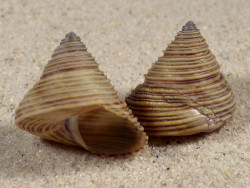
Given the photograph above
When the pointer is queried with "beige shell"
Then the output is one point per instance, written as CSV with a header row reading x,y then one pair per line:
x,y
184,92
74,103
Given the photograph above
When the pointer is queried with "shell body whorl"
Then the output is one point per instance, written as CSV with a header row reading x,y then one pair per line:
x,y
74,103
184,92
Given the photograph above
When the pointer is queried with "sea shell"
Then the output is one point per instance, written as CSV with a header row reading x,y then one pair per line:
x,y
74,103
184,92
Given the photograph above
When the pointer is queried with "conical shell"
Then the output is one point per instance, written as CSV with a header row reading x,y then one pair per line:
x,y
184,92
74,103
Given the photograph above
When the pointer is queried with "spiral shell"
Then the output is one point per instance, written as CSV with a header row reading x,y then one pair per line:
x,y
74,103
184,92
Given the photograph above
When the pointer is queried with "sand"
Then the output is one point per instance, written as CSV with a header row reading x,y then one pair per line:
x,y
126,37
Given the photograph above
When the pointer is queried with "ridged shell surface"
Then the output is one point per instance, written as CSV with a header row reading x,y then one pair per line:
x,y
74,103
184,92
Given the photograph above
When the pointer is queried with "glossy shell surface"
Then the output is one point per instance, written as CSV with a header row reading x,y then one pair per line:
x,y
74,103
184,92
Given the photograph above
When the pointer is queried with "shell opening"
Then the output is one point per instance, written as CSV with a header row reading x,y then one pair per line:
x,y
104,132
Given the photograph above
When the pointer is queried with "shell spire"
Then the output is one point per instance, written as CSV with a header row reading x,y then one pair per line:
x,y
184,92
74,103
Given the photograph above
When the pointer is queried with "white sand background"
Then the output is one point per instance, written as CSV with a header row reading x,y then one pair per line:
x,y
126,37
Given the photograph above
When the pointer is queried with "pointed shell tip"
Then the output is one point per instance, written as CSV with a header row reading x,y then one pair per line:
x,y
190,26
71,34
190,23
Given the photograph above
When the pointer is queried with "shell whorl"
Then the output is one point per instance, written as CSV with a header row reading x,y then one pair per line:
x,y
184,92
74,103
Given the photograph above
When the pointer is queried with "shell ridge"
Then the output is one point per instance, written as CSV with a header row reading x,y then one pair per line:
x,y
212,119
209,113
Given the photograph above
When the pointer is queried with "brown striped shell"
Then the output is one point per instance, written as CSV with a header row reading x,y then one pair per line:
x,y
74,103
184,92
